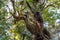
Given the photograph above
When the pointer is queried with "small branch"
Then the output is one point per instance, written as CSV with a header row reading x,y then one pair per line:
x,y
32,10
23,36
50,5
5,19
42,1
13,4
9,9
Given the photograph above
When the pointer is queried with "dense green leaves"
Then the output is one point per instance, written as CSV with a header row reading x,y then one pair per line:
x,y
2,3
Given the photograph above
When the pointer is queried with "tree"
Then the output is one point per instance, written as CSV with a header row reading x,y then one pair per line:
x,y
30,14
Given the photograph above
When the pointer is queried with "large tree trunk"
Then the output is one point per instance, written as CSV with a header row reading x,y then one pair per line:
x,y
40,32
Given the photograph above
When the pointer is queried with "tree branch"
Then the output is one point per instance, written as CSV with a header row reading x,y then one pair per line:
x,y
13,4
32,10
51,4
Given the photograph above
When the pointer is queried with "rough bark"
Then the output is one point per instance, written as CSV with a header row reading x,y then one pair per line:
x,y
36,29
